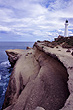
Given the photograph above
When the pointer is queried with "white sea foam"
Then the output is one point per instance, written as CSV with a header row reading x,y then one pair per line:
x,y
4,90
6,76
5,64
0,77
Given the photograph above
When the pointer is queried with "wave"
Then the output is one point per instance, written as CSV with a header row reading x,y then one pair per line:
x,y
0,77
4,86
5,64
6,76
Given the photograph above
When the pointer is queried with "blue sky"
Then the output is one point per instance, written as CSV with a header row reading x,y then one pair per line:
x,y
32,20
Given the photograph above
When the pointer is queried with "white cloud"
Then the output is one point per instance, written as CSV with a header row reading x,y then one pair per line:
x,y
32,17
2,28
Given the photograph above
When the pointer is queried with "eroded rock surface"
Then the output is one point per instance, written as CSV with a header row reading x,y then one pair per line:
x,y
67,60
37,79
14,55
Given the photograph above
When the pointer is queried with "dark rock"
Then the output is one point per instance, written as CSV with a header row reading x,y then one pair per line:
x,y
72,53
68,50
28,48
59,50
56,47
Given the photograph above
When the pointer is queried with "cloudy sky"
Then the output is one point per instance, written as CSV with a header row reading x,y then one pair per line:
x,y
32,20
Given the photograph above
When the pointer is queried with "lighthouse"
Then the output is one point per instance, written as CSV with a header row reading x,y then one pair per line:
x,y
66,29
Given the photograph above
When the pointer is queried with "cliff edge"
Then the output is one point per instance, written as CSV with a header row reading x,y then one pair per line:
x,y
39,79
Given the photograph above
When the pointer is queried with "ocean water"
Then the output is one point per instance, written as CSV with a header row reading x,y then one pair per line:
x,y
5,67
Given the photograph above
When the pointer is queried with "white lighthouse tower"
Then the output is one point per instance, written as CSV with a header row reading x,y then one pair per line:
x,y
66,29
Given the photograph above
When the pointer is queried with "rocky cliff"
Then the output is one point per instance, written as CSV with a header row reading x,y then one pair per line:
x,y
39,80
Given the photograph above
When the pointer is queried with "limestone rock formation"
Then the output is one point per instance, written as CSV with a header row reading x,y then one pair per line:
x,y
39,79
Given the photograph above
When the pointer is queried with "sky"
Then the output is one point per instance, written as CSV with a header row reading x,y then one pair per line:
x,y
32,20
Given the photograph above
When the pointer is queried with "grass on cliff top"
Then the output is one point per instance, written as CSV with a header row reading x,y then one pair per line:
x,y
65,42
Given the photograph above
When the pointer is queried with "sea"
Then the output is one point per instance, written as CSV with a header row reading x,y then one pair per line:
x,y
5,67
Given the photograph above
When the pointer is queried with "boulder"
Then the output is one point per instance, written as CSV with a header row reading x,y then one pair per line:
x,y
28,47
